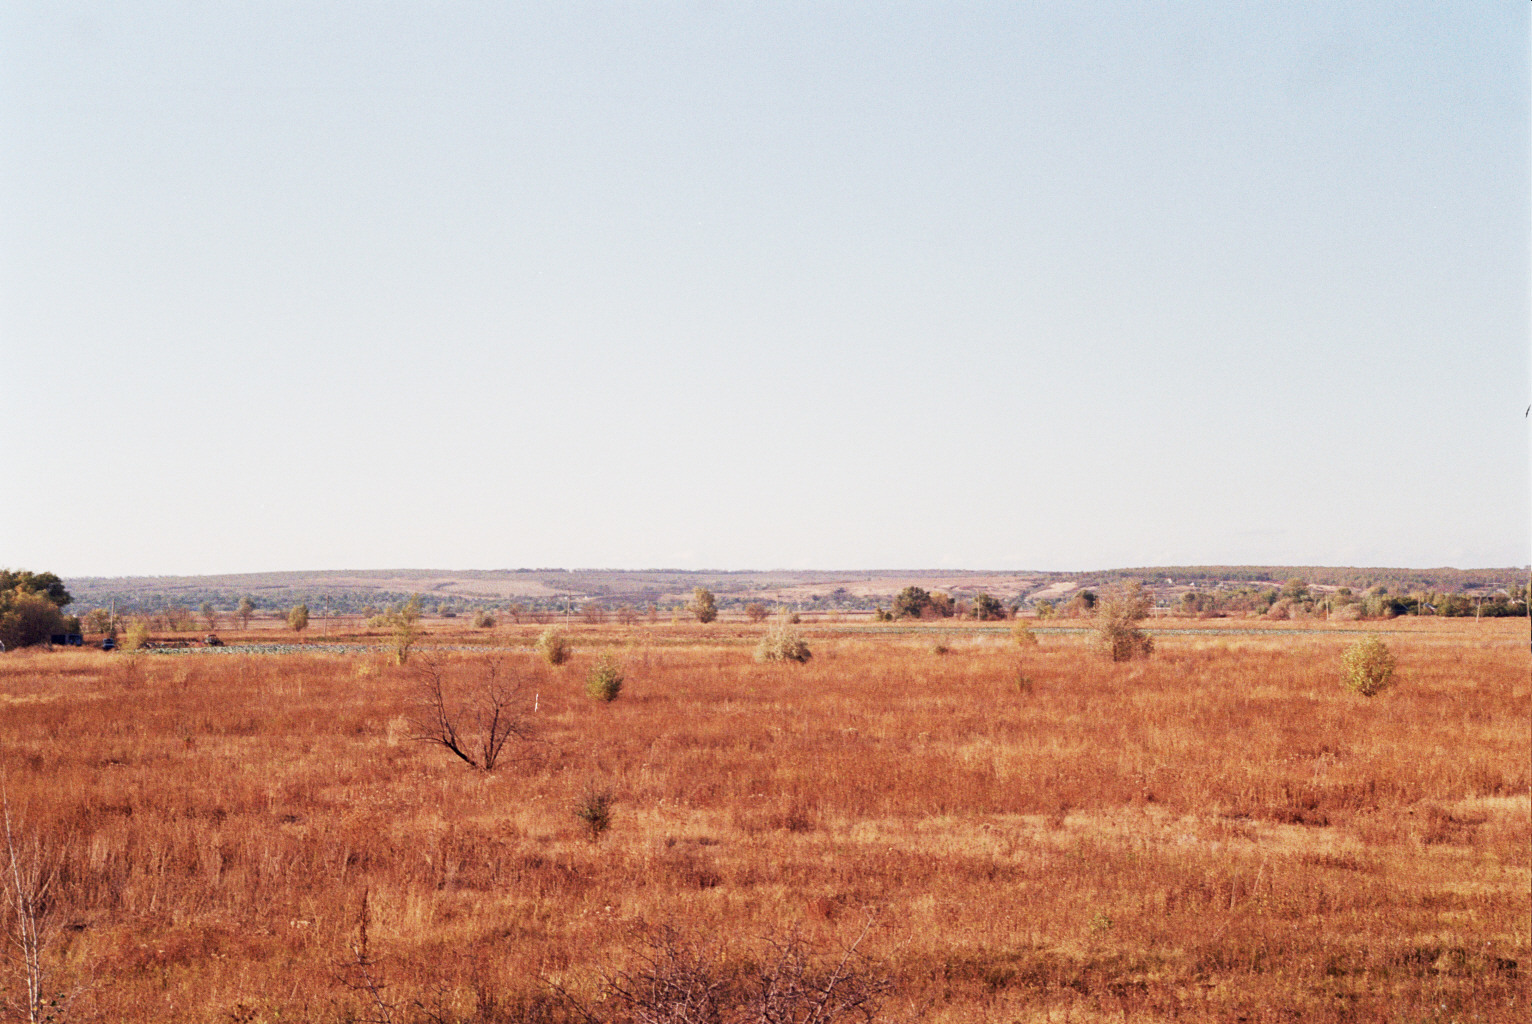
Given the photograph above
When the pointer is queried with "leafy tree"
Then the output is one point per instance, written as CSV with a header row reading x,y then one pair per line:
x,y
986,608
911,603
298,618
29,607
703,605
941,606
755,612
98,620
209,616
137,635
244,611
1083,603
27,619
1296,589
1045,608
42,584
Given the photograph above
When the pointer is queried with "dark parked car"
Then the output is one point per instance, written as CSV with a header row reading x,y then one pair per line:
x,y
109,644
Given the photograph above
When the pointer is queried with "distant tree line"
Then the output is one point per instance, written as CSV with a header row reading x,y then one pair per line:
x,y
1297,598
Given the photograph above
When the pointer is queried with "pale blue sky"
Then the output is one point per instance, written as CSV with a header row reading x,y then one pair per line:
x,y
482,285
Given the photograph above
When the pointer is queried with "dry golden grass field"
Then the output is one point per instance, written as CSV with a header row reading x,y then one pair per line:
x,y
1219,833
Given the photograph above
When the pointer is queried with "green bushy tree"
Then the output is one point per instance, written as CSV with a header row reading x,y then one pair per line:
x,y
1367,666
30,604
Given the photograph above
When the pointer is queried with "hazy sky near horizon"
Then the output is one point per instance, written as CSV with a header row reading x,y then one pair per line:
x,y
763,285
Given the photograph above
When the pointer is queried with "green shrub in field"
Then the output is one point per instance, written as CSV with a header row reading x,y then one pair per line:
x,y
595,810
1368,666
554,646
483,620
137,635
605,680
1023,635
783,644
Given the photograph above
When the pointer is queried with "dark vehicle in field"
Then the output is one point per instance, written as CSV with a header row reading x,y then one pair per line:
x,y
109,644
67,640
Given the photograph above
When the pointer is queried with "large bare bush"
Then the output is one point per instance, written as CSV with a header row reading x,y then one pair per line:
x,y
675,980
31,921
473,708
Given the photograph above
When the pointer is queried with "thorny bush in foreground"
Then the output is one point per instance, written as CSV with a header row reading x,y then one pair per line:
x,y
673,980
472,708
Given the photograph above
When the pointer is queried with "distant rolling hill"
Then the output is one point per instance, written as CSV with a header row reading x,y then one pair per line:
x,y
441,588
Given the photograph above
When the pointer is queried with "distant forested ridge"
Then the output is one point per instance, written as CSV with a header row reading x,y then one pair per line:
x,y
456,591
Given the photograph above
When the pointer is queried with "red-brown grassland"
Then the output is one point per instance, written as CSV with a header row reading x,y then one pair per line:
x,y
1221,832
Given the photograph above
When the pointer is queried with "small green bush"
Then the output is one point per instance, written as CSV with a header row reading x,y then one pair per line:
x,y
1368,666
605,680
783,644
554,646
136,637
1023,635
483,620
595,811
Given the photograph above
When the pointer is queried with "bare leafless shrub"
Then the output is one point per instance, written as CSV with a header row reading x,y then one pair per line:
x,y
362,972
673,979
31,920
472,709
